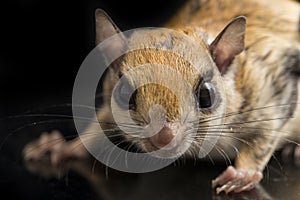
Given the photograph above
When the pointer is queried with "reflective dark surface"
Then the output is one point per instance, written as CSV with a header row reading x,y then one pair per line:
x,y
42,46
89,180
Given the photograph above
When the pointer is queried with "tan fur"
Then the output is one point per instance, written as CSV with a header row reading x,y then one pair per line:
x,y
258,91
249,84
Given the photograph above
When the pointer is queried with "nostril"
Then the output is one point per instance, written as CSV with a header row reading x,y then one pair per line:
x,y
163,137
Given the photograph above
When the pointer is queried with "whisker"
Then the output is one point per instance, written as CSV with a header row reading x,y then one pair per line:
x,y
229,136
126,154
245,122
234,147
52,121
103,150
112,150
224,154
31,113
268,135
52,143
26,126
195,155
86,135
92,120
230,130
277,161
245,127
230,114
221,152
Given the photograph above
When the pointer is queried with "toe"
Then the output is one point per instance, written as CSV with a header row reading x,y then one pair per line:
x,y
232,180
226,176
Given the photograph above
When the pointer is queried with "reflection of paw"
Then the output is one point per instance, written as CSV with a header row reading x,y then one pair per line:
x,y
291,153
232,180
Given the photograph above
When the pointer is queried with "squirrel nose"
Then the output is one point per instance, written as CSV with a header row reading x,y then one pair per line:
x,y
163,137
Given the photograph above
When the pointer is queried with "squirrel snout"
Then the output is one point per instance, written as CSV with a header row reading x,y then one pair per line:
x,y
163,137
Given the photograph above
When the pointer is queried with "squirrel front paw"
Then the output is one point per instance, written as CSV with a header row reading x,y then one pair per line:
x,y
51,155
233,180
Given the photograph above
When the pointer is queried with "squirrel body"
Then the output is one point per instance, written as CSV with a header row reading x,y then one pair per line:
x,y
258,59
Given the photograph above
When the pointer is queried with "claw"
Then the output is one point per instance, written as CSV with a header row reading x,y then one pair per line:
x,y
232,180
230,189
248,187
224,177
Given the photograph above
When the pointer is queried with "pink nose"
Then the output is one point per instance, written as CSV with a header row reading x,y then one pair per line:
x,y
162,138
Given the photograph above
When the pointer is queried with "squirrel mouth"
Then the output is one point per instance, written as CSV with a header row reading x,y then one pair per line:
x,y
163,152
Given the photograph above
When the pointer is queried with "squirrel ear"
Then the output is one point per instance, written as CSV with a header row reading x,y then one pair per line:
x,y
229,43
106,28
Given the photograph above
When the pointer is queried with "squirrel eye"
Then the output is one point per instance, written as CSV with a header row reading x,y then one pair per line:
x,y
125,95
206,95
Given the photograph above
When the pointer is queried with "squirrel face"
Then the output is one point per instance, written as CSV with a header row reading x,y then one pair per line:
x,y
168,85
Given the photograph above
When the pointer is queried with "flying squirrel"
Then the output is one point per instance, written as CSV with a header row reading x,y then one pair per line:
x,y
244,73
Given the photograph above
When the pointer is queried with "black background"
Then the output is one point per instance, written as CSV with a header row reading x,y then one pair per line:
x,y
42,45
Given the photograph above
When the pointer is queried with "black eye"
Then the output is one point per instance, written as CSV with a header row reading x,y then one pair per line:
x,y
206,95
125,95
